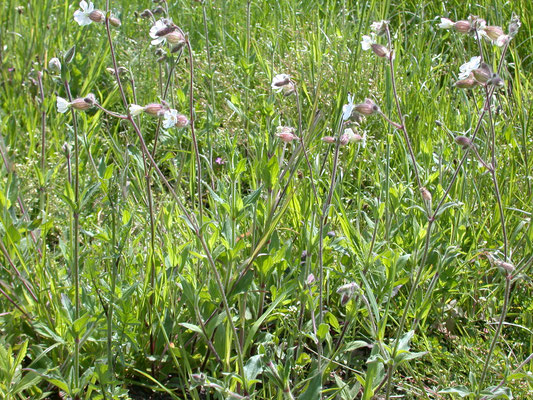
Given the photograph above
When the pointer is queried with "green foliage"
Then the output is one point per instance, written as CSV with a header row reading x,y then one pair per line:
x,y
147,315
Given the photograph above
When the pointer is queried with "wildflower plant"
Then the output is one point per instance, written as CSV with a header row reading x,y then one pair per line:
x,y
235,206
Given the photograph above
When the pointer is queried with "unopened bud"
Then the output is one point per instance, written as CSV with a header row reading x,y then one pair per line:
x,y
328,139
97,16
495,80
286,134
493,32
367,108
158,10
115,22
463,141
426,195
146,14
54,65
483,73
380,50
175,37
90,99
467,83
67,149
508,267
80,104
514,26
182,121
462,26
155,109
310,279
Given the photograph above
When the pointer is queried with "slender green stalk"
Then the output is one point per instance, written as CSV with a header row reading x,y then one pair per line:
x,y
76,240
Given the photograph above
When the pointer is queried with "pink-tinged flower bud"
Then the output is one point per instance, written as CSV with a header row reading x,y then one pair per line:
x,y
328,139
286,134
182,121
155,109
90,99
367,108
345,139
175,37
467,83
115,22
483,73
380,50
493,32
97,16
463,141
310,279
508,267
80,104
462,26
426,195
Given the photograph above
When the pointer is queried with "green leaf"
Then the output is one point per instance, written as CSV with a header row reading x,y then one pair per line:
x,y
194,328
322,331
459,390
253,367
313,390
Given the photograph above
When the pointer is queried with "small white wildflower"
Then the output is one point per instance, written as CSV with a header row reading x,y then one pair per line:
x,y
367,42
347,109
379,27
62,105
135,109
54,65
170,118
157,27
468,67
502,40
350,135
82,17
446,23
280,81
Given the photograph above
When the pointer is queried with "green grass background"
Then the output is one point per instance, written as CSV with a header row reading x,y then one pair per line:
x,y
377,228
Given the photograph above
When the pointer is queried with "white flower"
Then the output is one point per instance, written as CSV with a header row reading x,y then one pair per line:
x,y
170,118
367,42
135,109
347,109
280,81
469,66
379,26
158,26
502,40
446,23
62,105
82,16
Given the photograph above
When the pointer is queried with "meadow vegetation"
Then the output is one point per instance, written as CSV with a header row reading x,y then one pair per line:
x,y
251,199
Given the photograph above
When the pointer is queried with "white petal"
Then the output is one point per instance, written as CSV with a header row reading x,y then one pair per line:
x,y
170,118
62,105
367,42
156,28
155,42
135,109
82,18
445,23
84,5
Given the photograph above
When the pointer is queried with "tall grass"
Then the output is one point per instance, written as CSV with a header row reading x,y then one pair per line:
x,y
217,261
